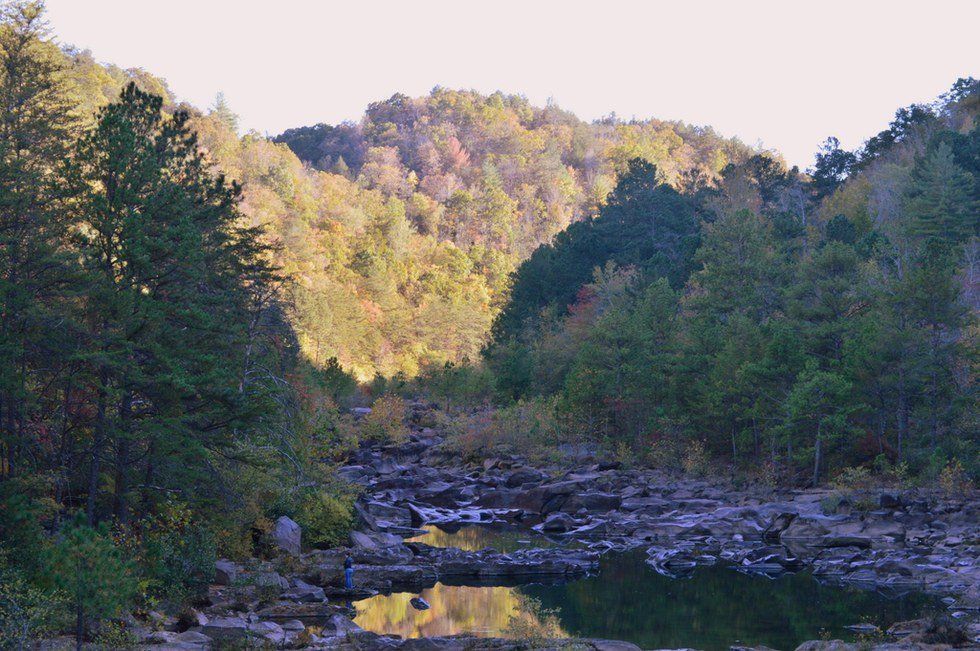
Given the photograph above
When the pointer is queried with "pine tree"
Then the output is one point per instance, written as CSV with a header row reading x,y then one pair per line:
x,y
35,127
222,112
939,200
88,567
176,286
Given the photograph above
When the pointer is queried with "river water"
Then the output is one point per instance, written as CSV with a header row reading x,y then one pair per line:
x,y
710,610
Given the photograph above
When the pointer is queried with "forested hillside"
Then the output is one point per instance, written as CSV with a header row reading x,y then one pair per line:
x,y
424,207
802,322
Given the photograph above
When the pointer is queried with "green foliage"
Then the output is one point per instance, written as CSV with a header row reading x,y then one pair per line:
x,y
25,510
386,422
809,343
27,612
464,385
116,635
87,566
326,516
178,556
645,224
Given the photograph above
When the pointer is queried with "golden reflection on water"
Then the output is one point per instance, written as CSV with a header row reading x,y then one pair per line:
x,y
474,538
454,610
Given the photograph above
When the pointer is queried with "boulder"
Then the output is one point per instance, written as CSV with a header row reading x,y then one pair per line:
x,y
778,525
592,501
523,476
225,572
361,539
287,536
337,625
902,629
270,579
612,645
190,618
804,528
303,592
861,542
558,523
828,645
186,641
226,629
268,631
890,501
418,603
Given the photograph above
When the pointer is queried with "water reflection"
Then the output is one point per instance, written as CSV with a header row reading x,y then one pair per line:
x,y
712,609
454,610
474,538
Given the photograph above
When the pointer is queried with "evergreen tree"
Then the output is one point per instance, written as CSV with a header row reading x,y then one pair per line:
x,y
939,200
172,280
223,114
88,567
35,127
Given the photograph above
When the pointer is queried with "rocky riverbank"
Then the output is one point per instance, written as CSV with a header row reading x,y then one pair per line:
x,y
901,541
896,540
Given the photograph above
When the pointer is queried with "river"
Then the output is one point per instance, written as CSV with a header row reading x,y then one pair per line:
x,y
710,609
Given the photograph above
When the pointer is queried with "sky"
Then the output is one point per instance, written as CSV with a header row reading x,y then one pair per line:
x,y
782,74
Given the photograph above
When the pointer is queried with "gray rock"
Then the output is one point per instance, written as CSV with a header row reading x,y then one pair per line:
x,y
287,536
418,603
226,629
360,539
558,523
190,618
186,641
268,630
225,572
523,476
339,625
304,593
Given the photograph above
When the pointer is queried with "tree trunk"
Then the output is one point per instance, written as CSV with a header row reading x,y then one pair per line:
x,y
120,505
903,416
816,457
98,443
79,627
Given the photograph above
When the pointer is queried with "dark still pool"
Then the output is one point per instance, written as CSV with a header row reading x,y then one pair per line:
x,y
712,609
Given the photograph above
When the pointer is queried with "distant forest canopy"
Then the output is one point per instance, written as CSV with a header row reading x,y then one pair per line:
x,y
431,202
495,170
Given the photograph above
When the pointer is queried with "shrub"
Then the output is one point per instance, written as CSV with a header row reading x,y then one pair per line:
x,y
115,636
463,384
24,511
528,427
534,624
856,478
663,453
326,516
694,459
327,433
953,479
178,555
386,422
27,612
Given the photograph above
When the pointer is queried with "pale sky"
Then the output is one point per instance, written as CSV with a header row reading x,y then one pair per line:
x,y
782,73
